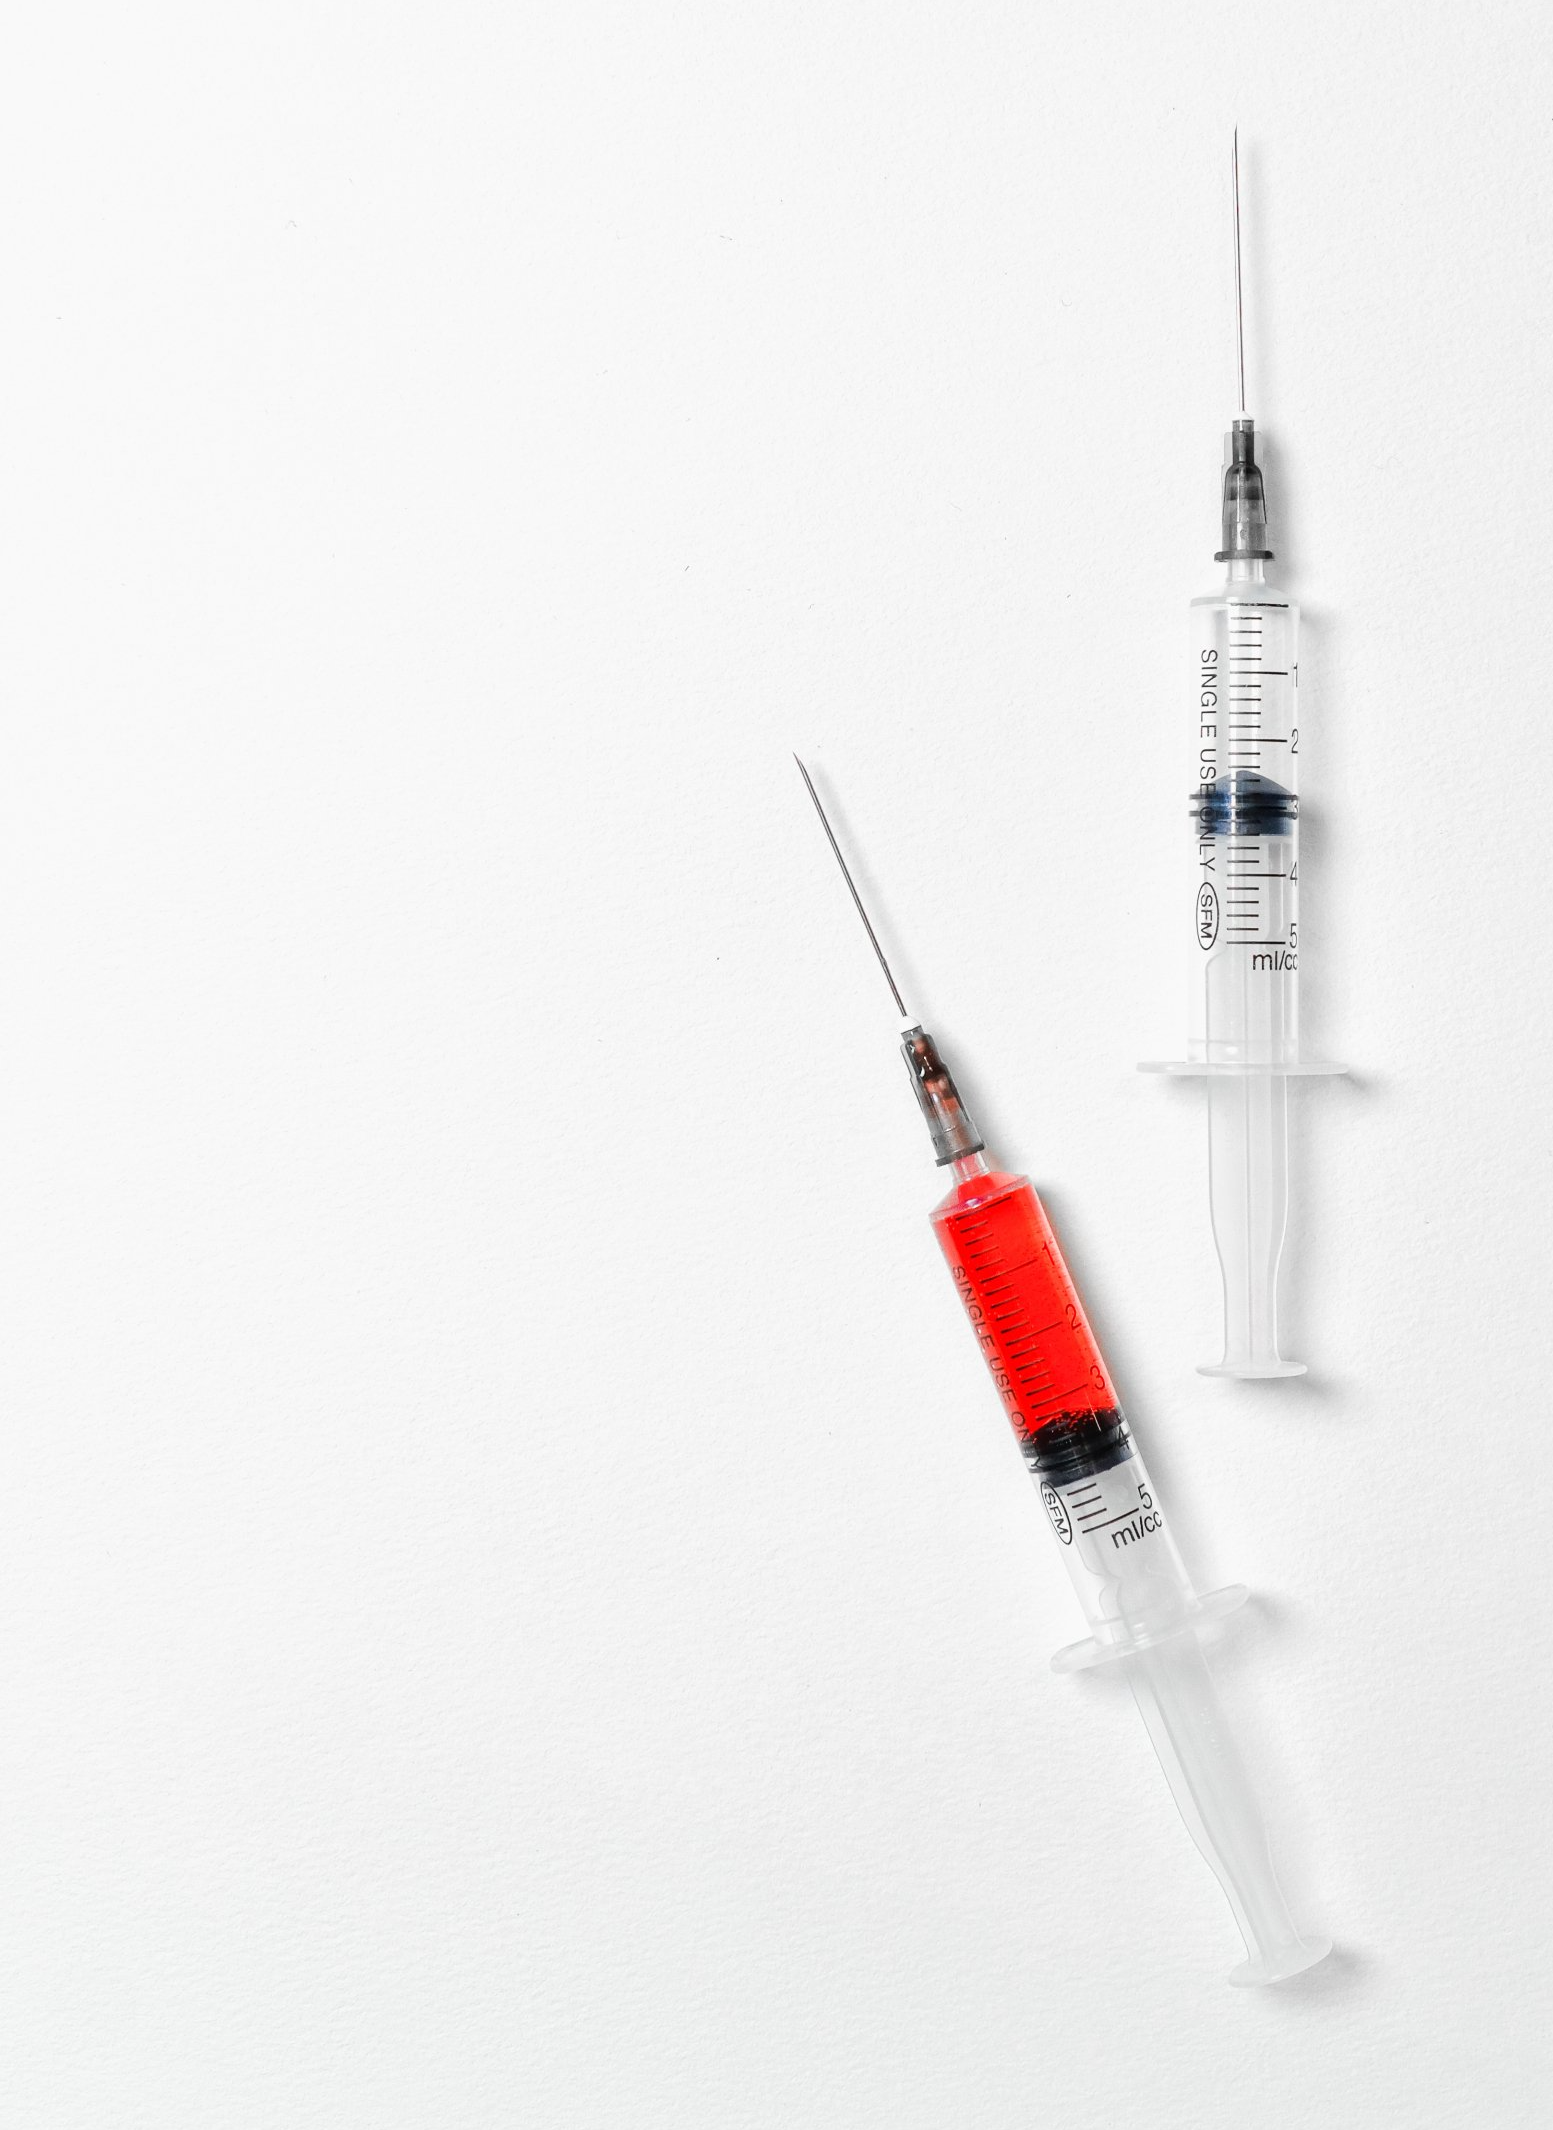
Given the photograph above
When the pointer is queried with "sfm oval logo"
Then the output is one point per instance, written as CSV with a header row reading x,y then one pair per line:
x,y
1056,1509
1207,915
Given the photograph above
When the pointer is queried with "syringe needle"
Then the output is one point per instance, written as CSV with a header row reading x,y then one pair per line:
x,y
852,886
955,1138
1240,320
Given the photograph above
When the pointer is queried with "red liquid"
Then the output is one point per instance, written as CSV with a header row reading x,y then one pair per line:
x,y
1023,1306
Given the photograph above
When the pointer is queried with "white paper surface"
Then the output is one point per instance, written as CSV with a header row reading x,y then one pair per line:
x,y
517,1604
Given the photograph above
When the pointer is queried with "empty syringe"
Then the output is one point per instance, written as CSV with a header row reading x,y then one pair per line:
x,y
1244,1035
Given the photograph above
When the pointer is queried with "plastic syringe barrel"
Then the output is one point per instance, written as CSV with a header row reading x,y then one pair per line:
x,y
1121,1558
1244,917
1058,1393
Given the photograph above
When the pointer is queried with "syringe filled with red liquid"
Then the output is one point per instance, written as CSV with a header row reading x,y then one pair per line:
x,y
1140,1604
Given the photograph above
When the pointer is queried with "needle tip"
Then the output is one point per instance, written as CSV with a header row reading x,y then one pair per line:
x,y
1240,316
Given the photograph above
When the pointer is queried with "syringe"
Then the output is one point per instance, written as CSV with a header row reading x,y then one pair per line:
x,y
1244,1036
1138,1599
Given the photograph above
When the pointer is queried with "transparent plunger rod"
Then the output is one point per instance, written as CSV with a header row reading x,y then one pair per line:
x,y
1248,1197
1181,1711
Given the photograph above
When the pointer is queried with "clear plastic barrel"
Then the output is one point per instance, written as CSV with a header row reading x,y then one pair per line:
x,y
1244,786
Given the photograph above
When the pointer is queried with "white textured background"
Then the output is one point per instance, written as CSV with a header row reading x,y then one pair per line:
x,y
517,1605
